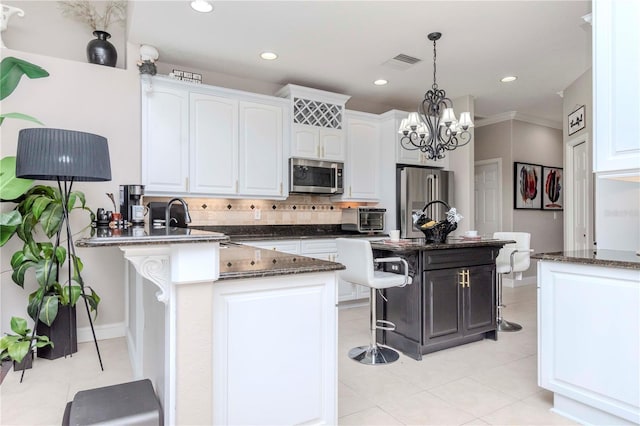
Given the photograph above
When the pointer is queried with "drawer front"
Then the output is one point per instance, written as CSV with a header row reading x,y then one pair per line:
x,y
463,257
327,245
286,246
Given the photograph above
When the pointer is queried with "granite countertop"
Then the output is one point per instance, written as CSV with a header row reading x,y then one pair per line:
x,y
104,237
418,244
240,261
610,258
284,232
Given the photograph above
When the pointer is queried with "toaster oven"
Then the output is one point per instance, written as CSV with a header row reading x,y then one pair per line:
x,y
363,219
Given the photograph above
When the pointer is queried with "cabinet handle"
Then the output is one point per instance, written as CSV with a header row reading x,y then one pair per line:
x,y
236,185
280,188
468,280
318,151
186,183
322,151
461,280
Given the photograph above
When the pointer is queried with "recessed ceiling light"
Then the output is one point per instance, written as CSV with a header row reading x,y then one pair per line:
x,y
203,6
508,79
269,56
380,82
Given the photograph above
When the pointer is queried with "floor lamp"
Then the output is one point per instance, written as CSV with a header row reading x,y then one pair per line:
x,y
64,156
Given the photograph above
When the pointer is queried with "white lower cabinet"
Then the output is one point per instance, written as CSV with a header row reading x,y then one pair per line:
x,y
274,350
589,341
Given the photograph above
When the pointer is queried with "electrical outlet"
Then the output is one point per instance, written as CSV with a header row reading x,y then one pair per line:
x,y
257,214
395,267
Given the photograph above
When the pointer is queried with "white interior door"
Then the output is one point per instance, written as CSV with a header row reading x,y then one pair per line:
x,y
579,210
488,200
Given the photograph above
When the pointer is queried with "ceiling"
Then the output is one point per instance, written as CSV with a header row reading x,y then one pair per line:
x,y
341,46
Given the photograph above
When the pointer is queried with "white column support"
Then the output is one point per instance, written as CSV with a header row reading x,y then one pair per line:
x,y
167,266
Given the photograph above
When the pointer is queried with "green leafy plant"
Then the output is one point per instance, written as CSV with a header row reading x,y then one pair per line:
x,y
17,346
11,188
41,209
11,71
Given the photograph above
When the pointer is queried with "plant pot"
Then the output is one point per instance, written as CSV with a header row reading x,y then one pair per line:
x,y
4,369
100,51
62,333
25,364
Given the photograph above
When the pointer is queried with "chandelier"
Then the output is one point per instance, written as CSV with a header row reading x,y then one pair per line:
x,y
435,129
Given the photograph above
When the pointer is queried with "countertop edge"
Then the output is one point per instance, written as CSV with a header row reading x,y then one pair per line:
x,y
568,258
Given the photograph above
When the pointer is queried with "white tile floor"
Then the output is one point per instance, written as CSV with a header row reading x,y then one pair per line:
x,y
481,383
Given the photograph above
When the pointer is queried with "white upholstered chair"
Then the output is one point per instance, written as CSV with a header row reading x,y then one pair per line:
x,y
513,257
356,255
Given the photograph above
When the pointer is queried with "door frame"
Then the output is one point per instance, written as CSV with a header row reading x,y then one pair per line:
x,y
498,162
569,237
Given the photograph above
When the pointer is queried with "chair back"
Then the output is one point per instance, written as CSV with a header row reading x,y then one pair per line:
x,y
356,255
522,242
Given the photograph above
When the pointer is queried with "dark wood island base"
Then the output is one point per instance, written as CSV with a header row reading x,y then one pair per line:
x,y
452,300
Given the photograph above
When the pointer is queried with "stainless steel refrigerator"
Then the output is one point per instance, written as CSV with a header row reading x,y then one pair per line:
x,y
417,186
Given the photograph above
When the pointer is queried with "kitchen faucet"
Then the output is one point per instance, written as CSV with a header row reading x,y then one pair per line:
x,y
167,212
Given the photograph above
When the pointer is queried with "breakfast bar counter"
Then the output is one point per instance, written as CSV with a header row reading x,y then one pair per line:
x,y
216,325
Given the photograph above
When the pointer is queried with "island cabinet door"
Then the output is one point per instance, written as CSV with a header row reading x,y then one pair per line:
x,y
478,299
441,300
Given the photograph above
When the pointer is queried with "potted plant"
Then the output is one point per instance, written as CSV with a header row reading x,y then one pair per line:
x,y
39,208
17,347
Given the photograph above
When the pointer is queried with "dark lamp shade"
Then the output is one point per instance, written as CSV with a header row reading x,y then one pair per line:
x,y
57,154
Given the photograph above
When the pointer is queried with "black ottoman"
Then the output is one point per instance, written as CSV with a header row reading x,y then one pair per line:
x,y
132,403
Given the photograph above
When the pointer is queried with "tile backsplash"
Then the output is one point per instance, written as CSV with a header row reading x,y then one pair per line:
x,y
295,210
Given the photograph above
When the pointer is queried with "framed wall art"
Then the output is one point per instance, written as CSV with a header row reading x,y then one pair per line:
x,y
552,188
576,120
527,186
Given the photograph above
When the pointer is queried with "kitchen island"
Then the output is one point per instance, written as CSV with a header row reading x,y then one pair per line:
x,y
589,334
452,299
222,338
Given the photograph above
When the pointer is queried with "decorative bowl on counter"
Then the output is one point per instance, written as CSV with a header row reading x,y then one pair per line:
x,y
434,231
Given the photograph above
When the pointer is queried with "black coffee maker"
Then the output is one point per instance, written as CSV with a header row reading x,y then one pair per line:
x,y
131,204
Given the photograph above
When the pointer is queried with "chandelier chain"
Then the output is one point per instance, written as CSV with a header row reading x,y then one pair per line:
x,y
434,86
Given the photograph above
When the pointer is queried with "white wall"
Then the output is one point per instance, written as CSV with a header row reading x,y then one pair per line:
x,y
579,93
539,145
90,98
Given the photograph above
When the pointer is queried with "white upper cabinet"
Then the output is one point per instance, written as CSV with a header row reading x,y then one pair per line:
x,y
317,142
165,139
261,135
214,144
317,128
361,170
616,67
204,140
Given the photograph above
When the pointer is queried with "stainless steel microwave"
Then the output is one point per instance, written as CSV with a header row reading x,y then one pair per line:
x,y
315,177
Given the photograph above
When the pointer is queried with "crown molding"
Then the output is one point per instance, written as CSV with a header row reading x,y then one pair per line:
x,y
520,116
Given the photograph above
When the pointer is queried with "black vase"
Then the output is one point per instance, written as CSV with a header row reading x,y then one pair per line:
x,y
100,51
62,333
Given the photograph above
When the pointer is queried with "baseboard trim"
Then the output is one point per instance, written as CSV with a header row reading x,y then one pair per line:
x,y
511,283
106,331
